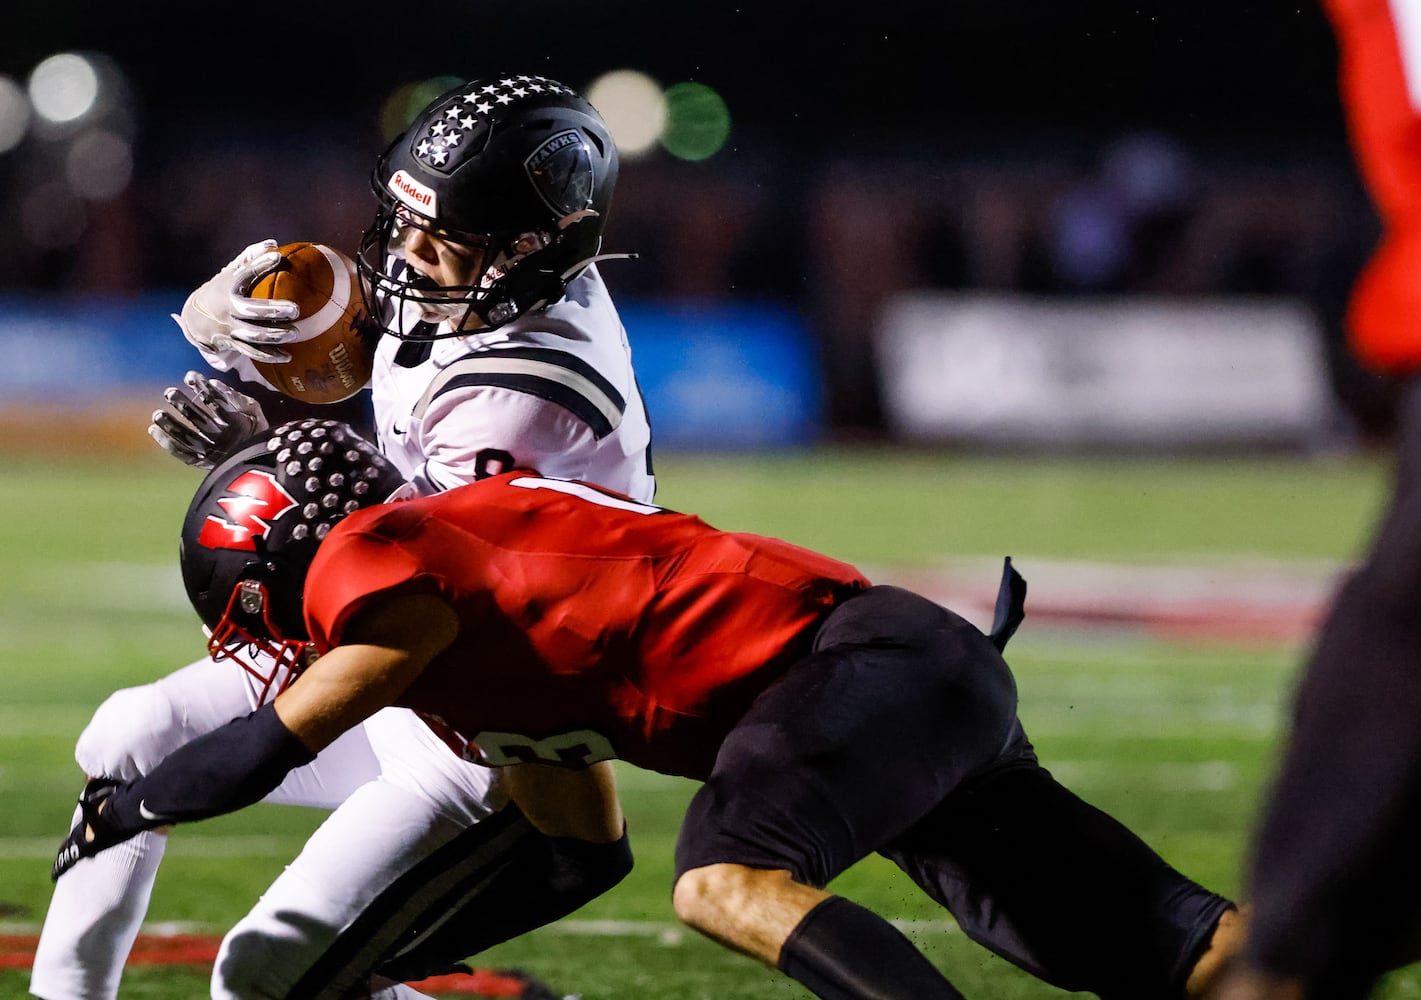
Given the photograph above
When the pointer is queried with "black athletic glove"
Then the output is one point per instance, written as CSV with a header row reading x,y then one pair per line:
x,y
78,845
204,421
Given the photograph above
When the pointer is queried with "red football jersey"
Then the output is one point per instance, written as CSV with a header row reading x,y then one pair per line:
x,y
592,626
1379,57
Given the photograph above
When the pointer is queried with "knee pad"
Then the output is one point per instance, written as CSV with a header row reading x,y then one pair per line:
x,y
248,967
129,734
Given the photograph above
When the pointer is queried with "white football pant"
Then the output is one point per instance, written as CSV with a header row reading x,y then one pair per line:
x,y
397,793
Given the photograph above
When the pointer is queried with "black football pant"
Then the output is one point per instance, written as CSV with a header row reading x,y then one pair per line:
x,y
899,735
1336,870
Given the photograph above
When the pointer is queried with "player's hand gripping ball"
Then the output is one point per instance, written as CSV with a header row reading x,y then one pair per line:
x,y
332,346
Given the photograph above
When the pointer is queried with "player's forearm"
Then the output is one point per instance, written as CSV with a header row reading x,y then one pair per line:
x,y
233,766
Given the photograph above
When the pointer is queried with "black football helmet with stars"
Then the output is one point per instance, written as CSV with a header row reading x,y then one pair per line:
x,y
252,530
519,167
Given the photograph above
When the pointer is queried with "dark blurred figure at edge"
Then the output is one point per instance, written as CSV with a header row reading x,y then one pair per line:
x,y
1334,865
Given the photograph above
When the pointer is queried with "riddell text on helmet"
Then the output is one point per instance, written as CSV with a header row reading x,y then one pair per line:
x,y
414,194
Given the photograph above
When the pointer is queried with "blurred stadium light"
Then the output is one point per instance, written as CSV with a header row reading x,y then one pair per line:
x,y
689,120
697,121
69,134
406,101
14,113
64,87
634,107
99,164
1040,152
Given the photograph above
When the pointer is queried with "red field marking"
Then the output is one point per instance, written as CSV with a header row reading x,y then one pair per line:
x,y
1267,604
17,951
481,982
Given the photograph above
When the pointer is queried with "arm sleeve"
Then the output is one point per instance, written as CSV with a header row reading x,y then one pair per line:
x,y
220,772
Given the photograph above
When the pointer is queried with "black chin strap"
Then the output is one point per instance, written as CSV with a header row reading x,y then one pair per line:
x,y
413,353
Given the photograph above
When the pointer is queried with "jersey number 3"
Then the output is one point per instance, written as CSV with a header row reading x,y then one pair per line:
x,y
578,748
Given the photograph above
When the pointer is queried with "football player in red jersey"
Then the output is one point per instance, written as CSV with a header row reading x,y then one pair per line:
x,y
501,344
1334,873
546,626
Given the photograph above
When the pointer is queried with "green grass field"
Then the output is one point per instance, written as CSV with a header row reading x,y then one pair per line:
x,y
1175,737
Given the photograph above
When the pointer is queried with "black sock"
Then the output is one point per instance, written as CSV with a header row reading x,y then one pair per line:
x,y
538,880
841,951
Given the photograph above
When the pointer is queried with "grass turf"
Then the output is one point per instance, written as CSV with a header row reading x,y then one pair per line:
x,y
1174,738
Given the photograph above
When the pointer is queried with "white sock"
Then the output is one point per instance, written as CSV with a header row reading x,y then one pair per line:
x,y
93,919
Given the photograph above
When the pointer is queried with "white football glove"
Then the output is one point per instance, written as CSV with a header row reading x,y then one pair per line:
x,y
219,316
203,421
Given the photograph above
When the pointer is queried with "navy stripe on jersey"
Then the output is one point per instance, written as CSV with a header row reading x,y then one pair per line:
x,y
557,376
413,353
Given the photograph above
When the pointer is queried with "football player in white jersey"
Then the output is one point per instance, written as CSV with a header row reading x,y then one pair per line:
x,y
500,345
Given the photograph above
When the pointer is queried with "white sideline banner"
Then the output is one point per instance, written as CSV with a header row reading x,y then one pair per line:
x,y
1119,371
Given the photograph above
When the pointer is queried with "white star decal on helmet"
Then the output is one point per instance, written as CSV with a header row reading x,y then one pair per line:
x,y
469,110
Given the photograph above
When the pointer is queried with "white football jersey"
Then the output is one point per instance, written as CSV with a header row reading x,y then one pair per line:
x,y
553,391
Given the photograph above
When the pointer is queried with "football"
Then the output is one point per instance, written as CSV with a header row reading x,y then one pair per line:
x,y
334,355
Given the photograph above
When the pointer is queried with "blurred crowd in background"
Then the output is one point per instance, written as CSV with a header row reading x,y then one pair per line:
x,y
1095,152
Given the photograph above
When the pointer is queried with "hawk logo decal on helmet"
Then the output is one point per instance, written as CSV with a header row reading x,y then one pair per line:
x,y
520,170
561,172
255,500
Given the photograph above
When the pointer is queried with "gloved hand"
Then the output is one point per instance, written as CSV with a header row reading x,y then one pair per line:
x,y
219,316
204,420
92,833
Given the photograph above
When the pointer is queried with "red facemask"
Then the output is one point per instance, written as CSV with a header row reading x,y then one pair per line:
x,y
275,662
